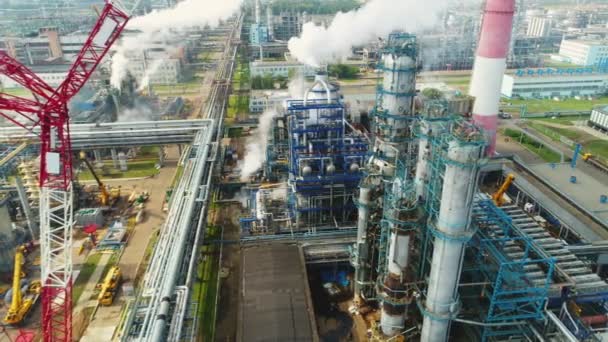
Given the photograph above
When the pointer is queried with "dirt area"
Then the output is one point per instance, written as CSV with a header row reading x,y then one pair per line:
x,y
227,315
106,318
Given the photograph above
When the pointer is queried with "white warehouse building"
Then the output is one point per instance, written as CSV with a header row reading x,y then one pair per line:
x,y
280,68
584,52
599,118
528,86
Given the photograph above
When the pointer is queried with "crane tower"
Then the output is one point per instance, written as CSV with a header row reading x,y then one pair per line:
x,y
47,116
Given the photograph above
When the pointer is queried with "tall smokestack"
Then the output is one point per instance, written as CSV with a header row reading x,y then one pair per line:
x,y
257,12
490,65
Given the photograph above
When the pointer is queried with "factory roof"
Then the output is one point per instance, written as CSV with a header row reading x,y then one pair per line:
x,y
275,303
586,191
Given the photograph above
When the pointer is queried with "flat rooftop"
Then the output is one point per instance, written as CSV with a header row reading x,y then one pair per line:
x,y
275,303
586,191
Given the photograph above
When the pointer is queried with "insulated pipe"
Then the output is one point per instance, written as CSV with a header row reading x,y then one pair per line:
x,y
490,66
450,239
361,269
168,287
422,166
257,12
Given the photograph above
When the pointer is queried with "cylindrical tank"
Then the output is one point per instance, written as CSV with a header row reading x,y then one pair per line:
x,y
322,88
399,84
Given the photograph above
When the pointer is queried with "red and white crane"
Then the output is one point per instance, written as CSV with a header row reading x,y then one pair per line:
x,y
47,116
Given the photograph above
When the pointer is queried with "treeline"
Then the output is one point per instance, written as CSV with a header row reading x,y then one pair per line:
x,y
268,82
314,6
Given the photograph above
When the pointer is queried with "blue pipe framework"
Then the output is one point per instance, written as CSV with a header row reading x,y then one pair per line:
x,y
513,295
320,143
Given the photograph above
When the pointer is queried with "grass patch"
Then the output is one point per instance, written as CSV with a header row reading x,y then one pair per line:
x,y
237,104
205,290
84,276
598,148
555,132
565,121
136,169
235,132
549,105
532,145
21,92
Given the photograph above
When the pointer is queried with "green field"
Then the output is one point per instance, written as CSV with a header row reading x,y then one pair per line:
x,y
598,148
136,169
562,120
533,146
206,290
237,104
549,105
555,132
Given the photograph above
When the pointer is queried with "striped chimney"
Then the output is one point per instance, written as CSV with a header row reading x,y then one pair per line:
x,y
490,65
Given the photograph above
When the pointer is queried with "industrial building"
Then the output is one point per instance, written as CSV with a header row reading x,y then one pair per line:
x,y
450,241
262,100
599,118
550,83
584,52
48,47
280,68
53,74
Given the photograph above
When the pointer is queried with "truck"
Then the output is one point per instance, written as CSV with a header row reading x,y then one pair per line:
x,y
109,286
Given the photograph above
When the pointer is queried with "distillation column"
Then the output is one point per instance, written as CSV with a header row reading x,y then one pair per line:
x,y
451,234
490,66
394,129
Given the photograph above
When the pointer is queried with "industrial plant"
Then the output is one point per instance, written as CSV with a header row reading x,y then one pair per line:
x,y
296,171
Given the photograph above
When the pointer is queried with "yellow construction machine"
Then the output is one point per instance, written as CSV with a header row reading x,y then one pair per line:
x,y
109,287
105,197
498,196
21,304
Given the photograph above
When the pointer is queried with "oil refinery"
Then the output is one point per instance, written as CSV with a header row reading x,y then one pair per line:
x,y
303,175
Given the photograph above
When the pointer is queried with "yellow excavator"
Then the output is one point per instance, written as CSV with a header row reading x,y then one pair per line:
x,y
498,196
109,287
21,304
105,197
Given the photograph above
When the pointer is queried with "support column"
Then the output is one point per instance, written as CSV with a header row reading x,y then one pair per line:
x,y
114,158
362,267
451,234
97,155
122,161
161,156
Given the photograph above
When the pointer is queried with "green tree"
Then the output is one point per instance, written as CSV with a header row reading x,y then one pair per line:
x,y
432,93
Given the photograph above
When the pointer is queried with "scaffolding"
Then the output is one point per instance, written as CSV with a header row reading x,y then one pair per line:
x,y
277,151
518,272
324,165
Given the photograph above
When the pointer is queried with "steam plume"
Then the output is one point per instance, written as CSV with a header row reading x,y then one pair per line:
x,y
167,25
255,153
319,45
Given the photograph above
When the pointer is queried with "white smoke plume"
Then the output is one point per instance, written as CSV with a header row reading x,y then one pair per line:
x,y
168,25
138,113
150,70
297,86
318,45
255,152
